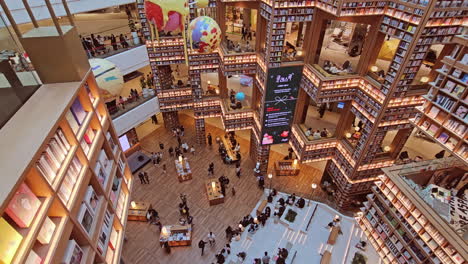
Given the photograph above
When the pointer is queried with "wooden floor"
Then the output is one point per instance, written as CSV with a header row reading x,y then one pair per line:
x,y
142,245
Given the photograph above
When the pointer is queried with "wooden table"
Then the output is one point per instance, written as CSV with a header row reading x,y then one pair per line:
x,y
184,173
326,257
214,194
333,235
176,235
261,207
230,152
138,212
286,168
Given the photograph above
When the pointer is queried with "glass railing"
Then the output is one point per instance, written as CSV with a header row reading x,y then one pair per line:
x,y
106,46
121,106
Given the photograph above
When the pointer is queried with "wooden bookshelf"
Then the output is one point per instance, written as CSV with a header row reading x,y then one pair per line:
x,y
54,162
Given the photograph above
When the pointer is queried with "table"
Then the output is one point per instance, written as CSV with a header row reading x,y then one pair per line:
x,y
326,257
184,173
214,194
333,235
230,152
176,235
261,207
138,212
286,168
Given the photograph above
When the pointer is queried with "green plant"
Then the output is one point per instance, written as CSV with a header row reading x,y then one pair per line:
x,y
359,259
290,216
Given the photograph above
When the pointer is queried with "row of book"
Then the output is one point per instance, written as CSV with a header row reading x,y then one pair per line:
x,y
76,115
70,179
51,159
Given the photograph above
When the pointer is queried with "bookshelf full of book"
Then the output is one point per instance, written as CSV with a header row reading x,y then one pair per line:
x,y
444,115
67,199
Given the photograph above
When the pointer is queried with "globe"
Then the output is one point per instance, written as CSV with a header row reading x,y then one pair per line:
x,y
108,78
204,34
240,96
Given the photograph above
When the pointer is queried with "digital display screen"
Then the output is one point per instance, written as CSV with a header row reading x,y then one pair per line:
x,y
282,89
124,142
340,105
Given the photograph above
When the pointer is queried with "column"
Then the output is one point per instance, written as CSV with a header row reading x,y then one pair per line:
x,y
171,119
259,153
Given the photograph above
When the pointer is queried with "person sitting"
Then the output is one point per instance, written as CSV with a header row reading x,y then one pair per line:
x,y
281,201
251,229
281,210
267,211
346,64
227,159
241,255
317,134
308,132
300,203
381,73
238,48
324,133
238,105
326,65
334,70
274,192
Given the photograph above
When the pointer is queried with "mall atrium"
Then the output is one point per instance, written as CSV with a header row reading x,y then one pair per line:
x,y
225,131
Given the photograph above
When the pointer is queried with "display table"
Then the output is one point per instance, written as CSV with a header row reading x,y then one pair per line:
x,y
326,257
176,235
138,211
261,207
286,168
333,235
184,173
230,152
213,190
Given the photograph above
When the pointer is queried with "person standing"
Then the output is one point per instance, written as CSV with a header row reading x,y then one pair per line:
x,y
182,130
238,170
266,258
161,146
123,41
164,169
171,151
244,33
201,245
113,42
141,177
210,139
233,191
192,150
229,233
211,238
179,140
322,109
249,34
154,119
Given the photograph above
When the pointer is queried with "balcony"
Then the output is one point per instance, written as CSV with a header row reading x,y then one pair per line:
x,y
134,113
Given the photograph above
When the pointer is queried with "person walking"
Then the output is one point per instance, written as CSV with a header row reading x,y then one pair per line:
x,y
244,33
266,258
201,245
192,150
182,130
141,177
249,34
154,119
146,177
238,170
171,151
161,146
179,140
233,191
229,233
211,238
322,109
210,139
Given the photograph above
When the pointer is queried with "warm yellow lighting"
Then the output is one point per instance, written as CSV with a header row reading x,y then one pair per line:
x,y
424,79
356,128
299,53
213,185
180,158
314,186
208,82
348,135
386,148
133,204
374,68
295,162
165,231
256,220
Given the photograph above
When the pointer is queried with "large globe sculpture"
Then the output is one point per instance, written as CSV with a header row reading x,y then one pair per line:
x,y
108,77
204,34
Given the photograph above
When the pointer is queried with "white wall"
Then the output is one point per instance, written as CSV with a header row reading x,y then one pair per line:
x,y
130,60
136,116
41,12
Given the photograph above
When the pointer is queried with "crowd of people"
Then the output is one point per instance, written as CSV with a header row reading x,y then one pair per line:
x,y
333,68
317,134
97,45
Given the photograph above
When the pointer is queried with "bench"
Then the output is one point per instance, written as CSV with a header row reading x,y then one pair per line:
x,y
261,207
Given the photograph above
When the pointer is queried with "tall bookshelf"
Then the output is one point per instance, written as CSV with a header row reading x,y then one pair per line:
x,y
444,114
67,191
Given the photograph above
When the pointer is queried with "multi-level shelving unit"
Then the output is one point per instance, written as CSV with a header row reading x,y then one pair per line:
x,y
403,227
444,116
66,188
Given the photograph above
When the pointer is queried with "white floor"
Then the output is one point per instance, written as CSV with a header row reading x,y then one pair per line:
x,y
308,244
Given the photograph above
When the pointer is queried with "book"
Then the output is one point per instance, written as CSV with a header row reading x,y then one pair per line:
x,y
85,218
10,240
433,112
73,254
113,238
78,112
33,258
461,111
91,199
432,129
89,135
443,137
72,121
458,90
46,232
451,143
23,206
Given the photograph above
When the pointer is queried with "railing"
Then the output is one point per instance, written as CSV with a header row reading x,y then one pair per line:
x,y
119,109
106,48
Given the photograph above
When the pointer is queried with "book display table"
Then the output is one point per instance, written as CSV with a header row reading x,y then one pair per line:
x,y
286,168
176,235
213,190
184,173
137,211
230,152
